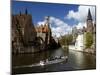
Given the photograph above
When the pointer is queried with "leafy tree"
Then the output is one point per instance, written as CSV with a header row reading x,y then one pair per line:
x,y
66,39
89,39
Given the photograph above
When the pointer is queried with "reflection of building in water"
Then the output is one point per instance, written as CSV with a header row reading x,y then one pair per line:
x,y
79,35
25,35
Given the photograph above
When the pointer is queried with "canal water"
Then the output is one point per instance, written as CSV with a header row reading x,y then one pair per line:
x,y
76,61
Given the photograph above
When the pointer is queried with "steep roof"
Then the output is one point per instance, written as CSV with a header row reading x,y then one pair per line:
x,y
89,17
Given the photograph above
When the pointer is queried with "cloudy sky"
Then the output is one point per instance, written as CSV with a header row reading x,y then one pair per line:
x,y
62,16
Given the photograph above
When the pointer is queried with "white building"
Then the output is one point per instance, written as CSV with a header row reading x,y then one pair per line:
x,y
79,44
79,41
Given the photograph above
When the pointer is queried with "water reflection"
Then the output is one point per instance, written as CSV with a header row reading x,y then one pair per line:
x,y
80,60
76,60
27,59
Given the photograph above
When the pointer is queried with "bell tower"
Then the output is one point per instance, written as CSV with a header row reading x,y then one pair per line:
x,y
49,33
89,22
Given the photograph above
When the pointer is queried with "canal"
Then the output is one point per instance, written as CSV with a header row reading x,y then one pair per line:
x,y
76,61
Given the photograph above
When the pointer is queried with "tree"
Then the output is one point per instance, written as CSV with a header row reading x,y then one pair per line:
x,y
89,39
66,39
69,39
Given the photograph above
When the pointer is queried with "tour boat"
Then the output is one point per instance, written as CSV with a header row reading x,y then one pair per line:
x,y
41,63
56,60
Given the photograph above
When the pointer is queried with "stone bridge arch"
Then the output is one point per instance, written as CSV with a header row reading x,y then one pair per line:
x,y
40,40
41,43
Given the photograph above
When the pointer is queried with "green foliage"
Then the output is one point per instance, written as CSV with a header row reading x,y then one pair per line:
x,y
66,39
89,39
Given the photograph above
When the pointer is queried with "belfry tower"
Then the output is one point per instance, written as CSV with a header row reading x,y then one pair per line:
x,y
89,22
49,34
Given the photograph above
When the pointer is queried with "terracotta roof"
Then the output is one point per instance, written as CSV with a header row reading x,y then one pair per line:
x,y
42,28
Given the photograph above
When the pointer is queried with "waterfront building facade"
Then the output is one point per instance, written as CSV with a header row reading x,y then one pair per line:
x,y
80,41
26,36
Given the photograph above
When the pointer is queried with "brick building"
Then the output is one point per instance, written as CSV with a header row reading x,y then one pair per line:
x,y
23,31
45,34
26,36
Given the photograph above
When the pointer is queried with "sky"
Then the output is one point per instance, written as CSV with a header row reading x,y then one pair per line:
x,y
62,16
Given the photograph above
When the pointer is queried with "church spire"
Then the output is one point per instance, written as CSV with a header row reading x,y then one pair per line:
x,y
47,19
89,17
20,13
26,12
